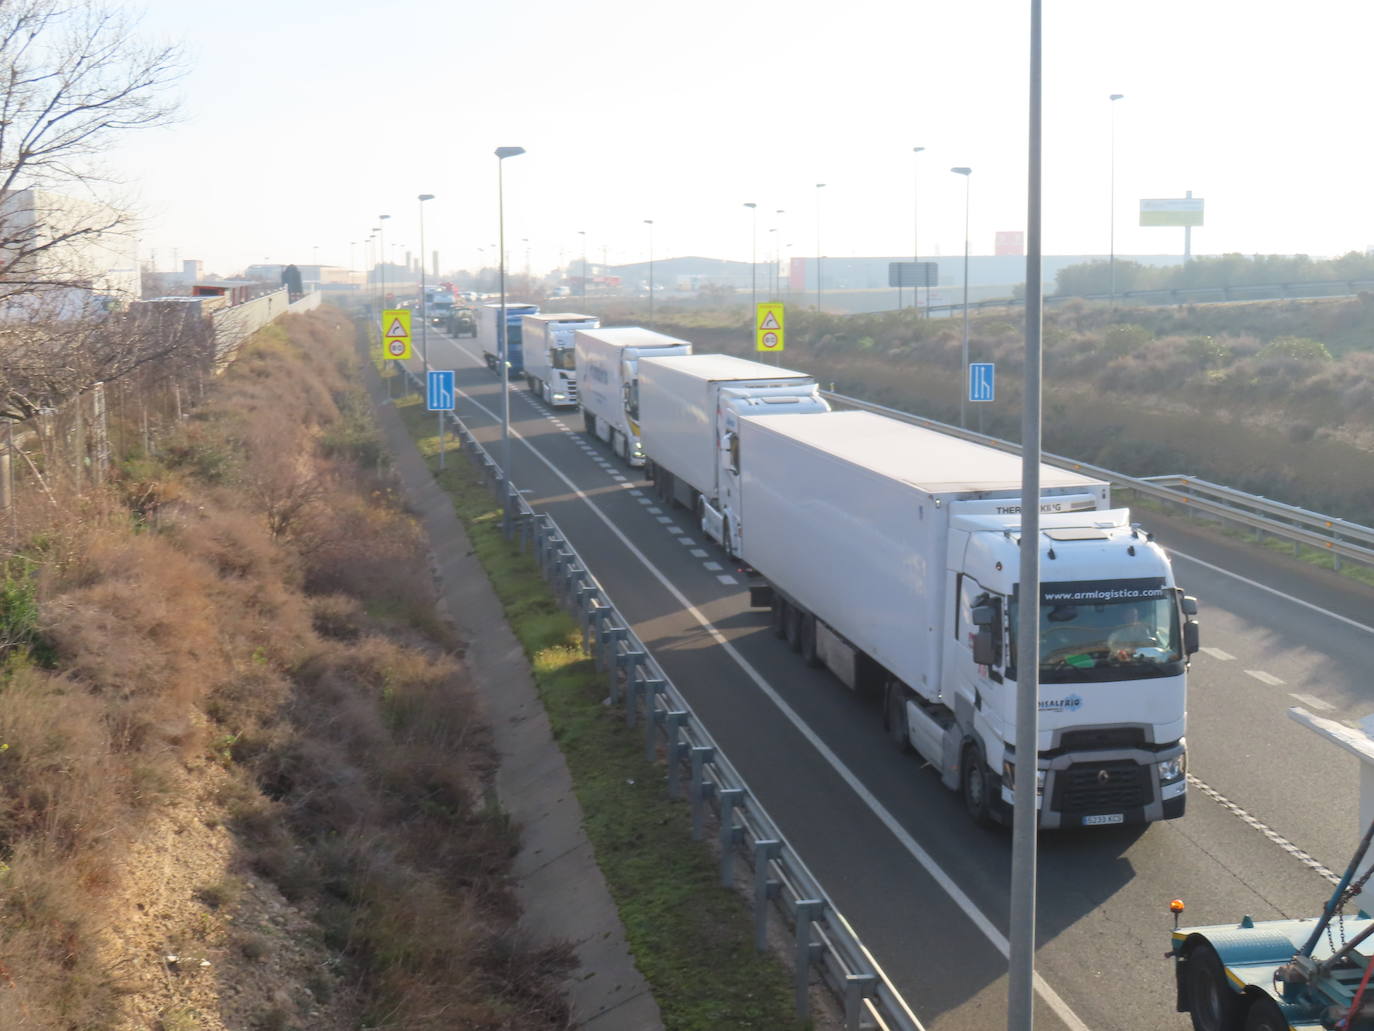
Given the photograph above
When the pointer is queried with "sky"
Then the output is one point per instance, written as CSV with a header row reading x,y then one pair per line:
x,y
303,121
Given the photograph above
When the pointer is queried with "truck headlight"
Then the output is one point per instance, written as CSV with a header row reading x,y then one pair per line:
x,y
560,397
1009,777
1173,769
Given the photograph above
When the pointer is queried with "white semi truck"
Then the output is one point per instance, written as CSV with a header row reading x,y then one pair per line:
x,y
608,382
550,368
890,555
691,406
495,343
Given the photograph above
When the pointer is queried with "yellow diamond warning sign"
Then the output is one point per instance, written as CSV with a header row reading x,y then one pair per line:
x,y
396,333
768,327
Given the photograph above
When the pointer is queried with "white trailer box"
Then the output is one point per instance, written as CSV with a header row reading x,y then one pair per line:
x,y
547,343
850,512
678,399
608,382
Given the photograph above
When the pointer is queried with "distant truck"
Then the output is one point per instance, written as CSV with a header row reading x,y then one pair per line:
x,y
889,554
461,322
690,408
438,305
608,382
490,336
550,362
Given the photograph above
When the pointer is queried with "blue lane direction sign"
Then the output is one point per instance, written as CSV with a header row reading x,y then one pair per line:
x,y
982,381
439,391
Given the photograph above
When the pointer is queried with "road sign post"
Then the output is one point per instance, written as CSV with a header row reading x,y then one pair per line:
x,y
769,327
440,397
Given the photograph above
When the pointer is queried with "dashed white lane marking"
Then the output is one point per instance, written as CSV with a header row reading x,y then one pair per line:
x,y
1217,653
618,477
653,509
663,519
644,501
1277,838
686,541
673,529
726,578
698,553
1264,678
1312,702
636,493
713,566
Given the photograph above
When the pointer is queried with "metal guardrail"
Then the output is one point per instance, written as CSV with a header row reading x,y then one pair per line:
x,y
1338,537
1184,295
697,769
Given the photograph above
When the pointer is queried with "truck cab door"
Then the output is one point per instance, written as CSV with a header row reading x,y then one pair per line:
x,y
979,653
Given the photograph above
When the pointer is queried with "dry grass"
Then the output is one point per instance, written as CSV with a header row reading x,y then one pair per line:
x,y
256,595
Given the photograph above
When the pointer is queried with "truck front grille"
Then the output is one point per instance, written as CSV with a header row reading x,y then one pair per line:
x,y
1098,739
1108,787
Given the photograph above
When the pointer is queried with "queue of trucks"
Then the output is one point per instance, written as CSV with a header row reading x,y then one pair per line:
x,y
889,554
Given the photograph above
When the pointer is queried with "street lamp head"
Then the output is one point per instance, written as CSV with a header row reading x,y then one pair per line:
x,y
508,152
779,212
383,217
648,221
426,196
750,204
819,185
1116,96
962,171
917,150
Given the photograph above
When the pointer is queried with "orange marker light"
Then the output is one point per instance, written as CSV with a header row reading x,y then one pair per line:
x,y
1176,906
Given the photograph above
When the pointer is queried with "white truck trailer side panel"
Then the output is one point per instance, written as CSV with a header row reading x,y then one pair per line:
x,y
677,405
840,512
600,369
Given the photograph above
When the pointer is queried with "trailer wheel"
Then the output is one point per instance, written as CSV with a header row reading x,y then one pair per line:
x,y
1264,1015
808,641
975,784
794,625
894,717
589,423
1211,1002
779,614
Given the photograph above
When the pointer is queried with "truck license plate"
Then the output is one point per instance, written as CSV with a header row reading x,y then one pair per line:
x,y
1093,821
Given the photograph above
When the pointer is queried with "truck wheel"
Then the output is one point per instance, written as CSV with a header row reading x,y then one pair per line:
x,y
894,717
808,641
1264,1015
975,784
779,615
1211,1002
546,394
531,385
589,423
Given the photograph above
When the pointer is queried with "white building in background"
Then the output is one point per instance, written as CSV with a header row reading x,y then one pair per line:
x,y
101,268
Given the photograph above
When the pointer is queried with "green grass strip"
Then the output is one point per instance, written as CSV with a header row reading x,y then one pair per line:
x,y
691,938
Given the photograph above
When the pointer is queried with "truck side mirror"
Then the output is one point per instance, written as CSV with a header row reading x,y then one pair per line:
x,y
1189,605
1190,637
987,640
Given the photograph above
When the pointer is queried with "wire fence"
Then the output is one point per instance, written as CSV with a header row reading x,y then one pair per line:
x,y
824,947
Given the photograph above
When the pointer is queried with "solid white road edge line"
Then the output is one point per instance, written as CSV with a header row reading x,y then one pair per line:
x,y
1265,587
970,909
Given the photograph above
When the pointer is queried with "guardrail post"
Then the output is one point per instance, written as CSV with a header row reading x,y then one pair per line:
x,y
857,987
730,834
609,640
618,660
701,755
598,615
586,596
634,659
808,910
675,721
765,888
653,716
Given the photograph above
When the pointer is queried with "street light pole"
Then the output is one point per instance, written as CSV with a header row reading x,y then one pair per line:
x,y
777,258
963,372
753,261
502,331
381,231
583,233
650,223
424,300
915,226
1111,260
819,266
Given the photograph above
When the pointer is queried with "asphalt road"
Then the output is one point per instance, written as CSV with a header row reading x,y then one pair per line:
x,y
926,891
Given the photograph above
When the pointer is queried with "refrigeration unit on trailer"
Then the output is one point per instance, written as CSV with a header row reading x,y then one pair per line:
x,y
607,363
550,363
489,335
690,407
890,554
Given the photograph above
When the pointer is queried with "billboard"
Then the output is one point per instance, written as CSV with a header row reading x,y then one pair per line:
x,y
1010,242
1181,211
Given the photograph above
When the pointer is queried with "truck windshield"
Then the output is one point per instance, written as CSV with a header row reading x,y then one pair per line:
x,y
562,358
1116,640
